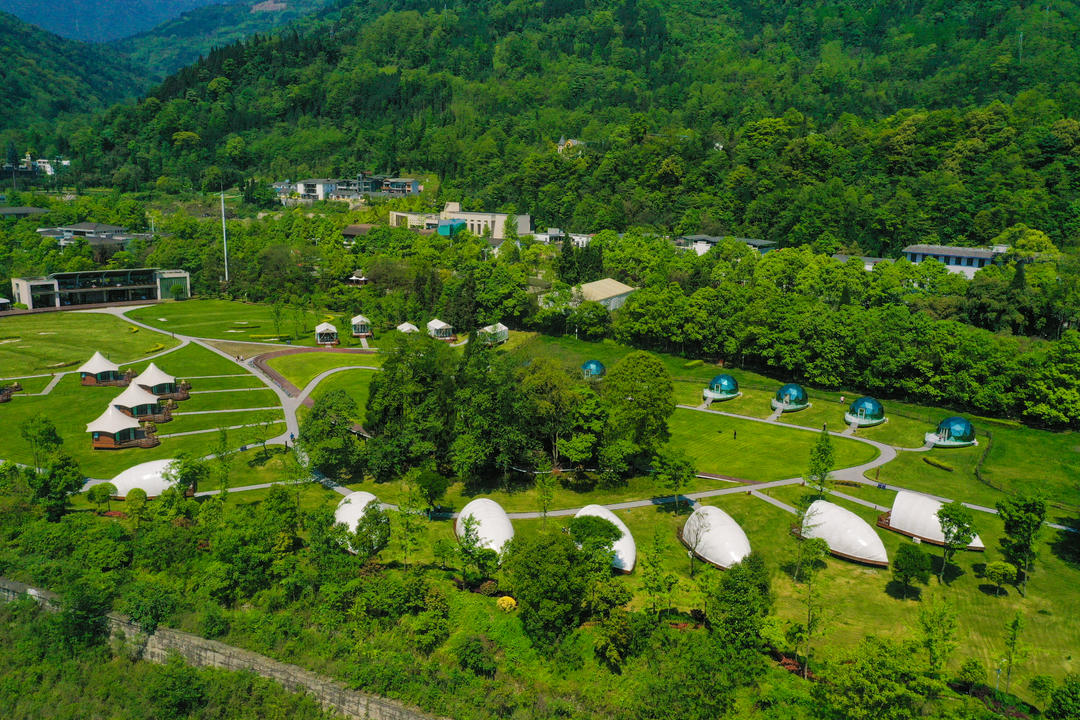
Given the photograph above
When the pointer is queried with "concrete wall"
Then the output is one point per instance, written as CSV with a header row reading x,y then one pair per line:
x,y
332,695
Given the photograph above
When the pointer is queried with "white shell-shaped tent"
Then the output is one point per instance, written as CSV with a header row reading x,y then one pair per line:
x,y
153,376
407,327
98,364
492,523
112,421
715,537
352,507
915,514
625,548
847,534
149,477
134,396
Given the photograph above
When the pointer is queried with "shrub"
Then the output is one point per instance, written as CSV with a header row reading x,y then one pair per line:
x,y
477,654
938,464
506,603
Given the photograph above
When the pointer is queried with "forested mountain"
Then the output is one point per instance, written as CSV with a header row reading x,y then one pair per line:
x,y
43,75
99,20
863,126
183,40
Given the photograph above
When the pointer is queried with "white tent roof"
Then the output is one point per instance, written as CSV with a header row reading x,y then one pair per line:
x,y
149,476
496,328
437,324
625,547
360,320
715,536
153,376
916,514
493,525
98,364
845,532
112,421
325,328
351,508
134,395
407,327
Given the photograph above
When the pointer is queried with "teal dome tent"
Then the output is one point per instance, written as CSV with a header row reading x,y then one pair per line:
x,y
790,398
593,369
721,387
864,412
954,431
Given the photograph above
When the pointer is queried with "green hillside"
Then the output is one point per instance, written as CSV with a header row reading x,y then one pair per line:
x,y
44,75
100,20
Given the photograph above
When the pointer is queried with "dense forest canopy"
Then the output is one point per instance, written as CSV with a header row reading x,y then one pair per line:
x,y
857,126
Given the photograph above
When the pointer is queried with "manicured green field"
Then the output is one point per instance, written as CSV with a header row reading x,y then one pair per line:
x,y
356,383
227,383
230,320
33,384
238,400
758,451
60,341
189,423
302,368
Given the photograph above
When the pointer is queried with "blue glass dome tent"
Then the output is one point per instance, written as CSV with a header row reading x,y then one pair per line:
x,y
865,412
953,431
790,398
593,369
721,387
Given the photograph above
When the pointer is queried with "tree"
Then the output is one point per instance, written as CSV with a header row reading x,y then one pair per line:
x,y
549,390
1023,517
53,485
410,523
956,526
878,681
431,485
938,624
82,620
999,573
813,553
41,435
101,494
640,398
822,462
656,581
135,506
972,673
911,565
674,470
547,577
1015,652
187,472
326,435
223,460
372,532
742,600
1041,686
1065,699
545,493
277,314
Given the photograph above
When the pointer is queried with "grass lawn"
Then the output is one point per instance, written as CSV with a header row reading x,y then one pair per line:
x,y
239,400
302,368
232,382
33,384
232,320
759,452
356,383
189,423
52,342
192,360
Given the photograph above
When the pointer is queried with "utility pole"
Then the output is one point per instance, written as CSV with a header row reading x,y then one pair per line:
x,y
224,236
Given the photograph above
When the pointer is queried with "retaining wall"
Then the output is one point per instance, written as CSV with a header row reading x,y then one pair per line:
x,y
332,695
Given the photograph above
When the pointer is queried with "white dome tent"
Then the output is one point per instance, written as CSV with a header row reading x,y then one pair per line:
x,y
148,477
351,508
714,536
847,535
625,548
915,515
493,526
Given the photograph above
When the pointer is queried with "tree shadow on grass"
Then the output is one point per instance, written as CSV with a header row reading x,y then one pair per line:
x,y
1066,545
898,591
260,458
993,590
952,571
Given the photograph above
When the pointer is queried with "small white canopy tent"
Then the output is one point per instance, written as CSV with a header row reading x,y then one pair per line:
x,y
135,396
361,326
495,334
436,328
98,364
625,548
326,334
847,535
493,526
715,537
915,514
351,508
112,421
148,477
407,327
153,377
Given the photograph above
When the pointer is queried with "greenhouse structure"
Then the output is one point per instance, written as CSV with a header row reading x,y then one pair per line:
x,y
493,528
439,330
721,387
714,537
625,548
915,515
494,334
847,535
150,477
593,369
326,334
865,412
790,398
361,327
953,432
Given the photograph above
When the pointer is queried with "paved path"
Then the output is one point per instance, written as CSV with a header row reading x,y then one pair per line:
x,y
774,502
858,501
